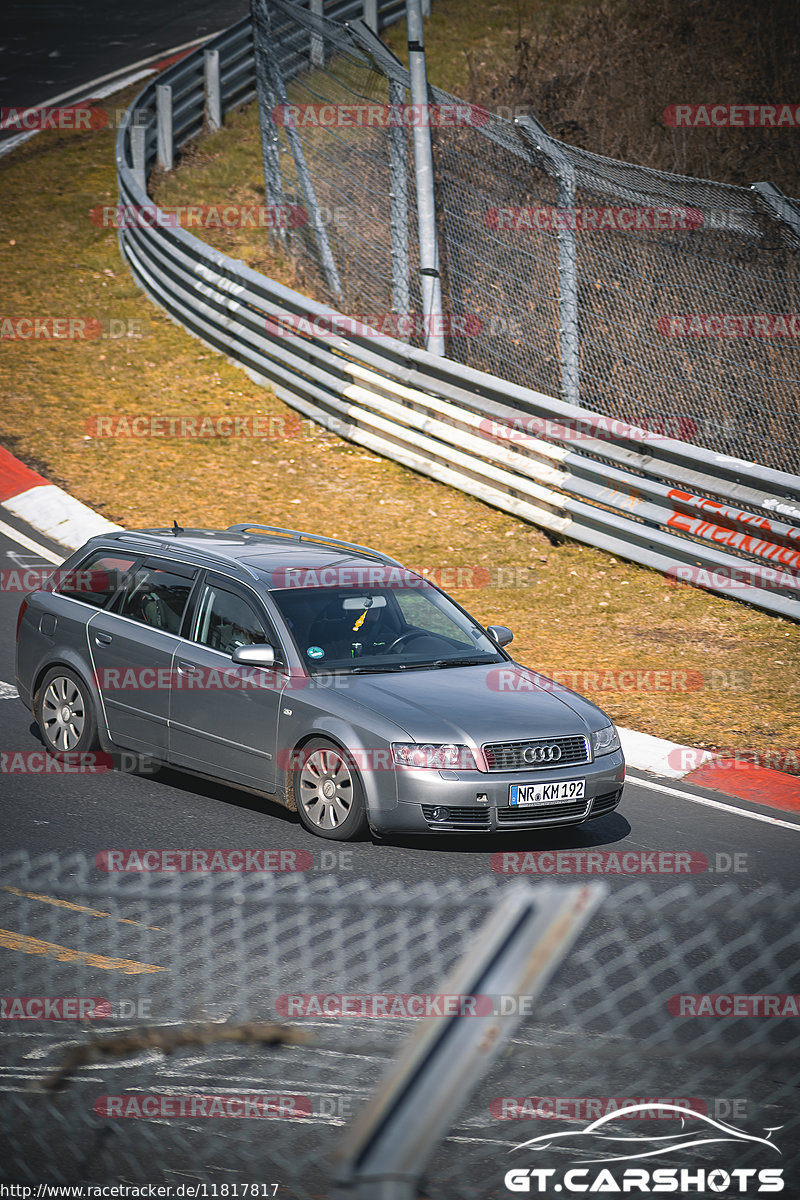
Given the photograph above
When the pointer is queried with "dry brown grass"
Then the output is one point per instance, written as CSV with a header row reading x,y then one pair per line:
x,y
599,75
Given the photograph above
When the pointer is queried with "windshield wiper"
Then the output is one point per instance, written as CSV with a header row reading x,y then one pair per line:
x,y
463,662
376,670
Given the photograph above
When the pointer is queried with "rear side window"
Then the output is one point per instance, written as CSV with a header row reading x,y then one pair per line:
x,y
98,579
156,595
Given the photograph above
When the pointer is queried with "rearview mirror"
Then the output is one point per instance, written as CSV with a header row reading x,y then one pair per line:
x,y
500,634
362,602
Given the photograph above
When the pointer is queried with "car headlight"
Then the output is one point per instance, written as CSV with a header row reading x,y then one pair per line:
x,y
605,740
440,758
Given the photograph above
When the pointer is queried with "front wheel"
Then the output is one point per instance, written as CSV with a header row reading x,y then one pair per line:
x,y
65,713
328,792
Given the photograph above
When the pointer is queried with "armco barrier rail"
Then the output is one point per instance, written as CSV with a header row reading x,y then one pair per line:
x,y
729,525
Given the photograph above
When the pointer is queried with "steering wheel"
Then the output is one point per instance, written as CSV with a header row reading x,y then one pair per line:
x,y
408,636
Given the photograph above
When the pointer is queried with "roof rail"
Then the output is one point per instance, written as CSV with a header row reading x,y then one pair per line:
x,y
300,536
164,541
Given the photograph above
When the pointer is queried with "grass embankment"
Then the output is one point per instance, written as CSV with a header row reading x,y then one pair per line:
x,y
571,608
601,75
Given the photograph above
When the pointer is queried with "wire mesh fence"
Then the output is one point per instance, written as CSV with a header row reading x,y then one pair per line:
x,y
248,1017
660,300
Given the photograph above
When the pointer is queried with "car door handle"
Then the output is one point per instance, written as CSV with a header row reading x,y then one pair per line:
x,y
103,639
187,668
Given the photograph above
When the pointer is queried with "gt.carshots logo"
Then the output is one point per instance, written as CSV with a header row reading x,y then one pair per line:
x,y
619,1148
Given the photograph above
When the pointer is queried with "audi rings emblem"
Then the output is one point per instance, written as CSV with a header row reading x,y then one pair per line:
x,y
541,754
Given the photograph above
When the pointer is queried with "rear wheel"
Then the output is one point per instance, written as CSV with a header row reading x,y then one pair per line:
x,y
328,792
65,712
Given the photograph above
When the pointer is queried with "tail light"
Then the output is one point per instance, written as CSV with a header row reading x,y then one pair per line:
x,y
20,615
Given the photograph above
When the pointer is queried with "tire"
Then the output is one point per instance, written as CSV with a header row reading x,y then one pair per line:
x,y
64,710
328,792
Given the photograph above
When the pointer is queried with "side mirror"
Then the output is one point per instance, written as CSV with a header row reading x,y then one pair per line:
x,y
259,655
500,634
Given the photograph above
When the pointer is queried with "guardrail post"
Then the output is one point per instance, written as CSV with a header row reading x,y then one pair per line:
x,y
317,50
138,135
213,90
166,149
430,280
370,14
564,172
398,184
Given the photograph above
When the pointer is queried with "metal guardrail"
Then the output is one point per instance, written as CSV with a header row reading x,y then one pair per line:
x,y
729,525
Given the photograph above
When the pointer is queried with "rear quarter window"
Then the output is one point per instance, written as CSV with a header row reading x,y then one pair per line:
x,y
97,580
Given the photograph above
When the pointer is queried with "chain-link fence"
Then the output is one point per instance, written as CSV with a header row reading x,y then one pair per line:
x,y
667,302
155,957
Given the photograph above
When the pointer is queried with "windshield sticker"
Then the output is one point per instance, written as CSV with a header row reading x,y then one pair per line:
x,y
315,652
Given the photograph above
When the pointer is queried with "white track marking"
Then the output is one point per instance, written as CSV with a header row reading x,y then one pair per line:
x,y
22,540
729,808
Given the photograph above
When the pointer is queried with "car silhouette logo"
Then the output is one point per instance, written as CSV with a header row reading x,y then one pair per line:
x,y
541,754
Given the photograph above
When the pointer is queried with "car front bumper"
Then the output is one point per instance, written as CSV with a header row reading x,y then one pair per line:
x,y
478,802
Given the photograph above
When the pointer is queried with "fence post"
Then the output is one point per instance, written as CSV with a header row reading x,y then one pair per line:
x,y
278,91
213,90
370,14
267,104
430,280
317,49
398,184
166,150
569,330
779,205
514,954
138,134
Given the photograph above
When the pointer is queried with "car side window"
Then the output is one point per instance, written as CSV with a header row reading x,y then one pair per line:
x,y
98,578
157,596
224,620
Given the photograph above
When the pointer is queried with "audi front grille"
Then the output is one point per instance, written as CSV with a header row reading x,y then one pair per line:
x,y
543,754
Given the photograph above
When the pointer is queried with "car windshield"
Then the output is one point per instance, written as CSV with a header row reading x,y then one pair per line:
x,y
382,629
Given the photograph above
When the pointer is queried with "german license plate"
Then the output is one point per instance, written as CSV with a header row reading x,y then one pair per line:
x,y
546,793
